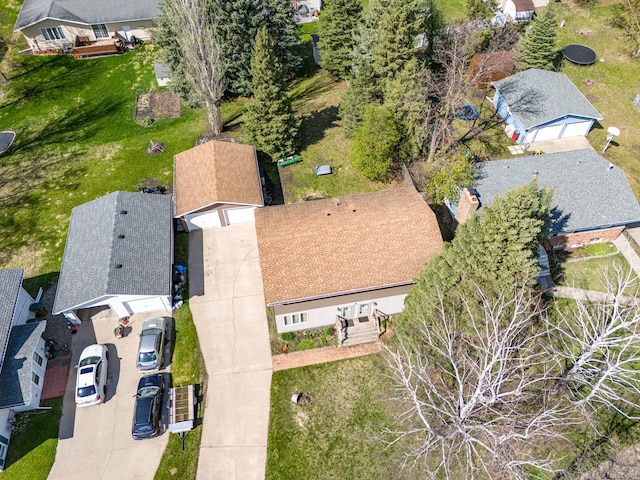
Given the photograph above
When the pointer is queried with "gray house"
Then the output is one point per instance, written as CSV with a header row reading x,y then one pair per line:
x,y
57,24
119,253
22,354
541,105
592,199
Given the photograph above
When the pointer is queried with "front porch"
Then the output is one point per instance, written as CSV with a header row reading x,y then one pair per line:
x,y
362,329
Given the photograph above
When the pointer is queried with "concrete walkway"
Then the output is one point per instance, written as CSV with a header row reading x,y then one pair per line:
x,y
624,247
227,303
323,355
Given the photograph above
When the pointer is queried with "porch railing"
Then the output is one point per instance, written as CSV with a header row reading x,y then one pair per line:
x,y
341,327
380,318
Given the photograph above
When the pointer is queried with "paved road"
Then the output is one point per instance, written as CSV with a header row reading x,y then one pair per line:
x,y
95,442
227,302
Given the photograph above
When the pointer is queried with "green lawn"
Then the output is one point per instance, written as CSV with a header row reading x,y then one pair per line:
x,y
338,436
590,273
33,444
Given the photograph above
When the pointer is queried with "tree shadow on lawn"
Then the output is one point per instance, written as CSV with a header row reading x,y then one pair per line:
x,y
313,126
309,89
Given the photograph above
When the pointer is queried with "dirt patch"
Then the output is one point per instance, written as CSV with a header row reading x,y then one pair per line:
x,y
156,105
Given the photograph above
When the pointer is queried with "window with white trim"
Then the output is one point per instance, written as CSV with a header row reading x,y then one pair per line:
x,y
559,246
35,378
295,318
100,30
37,358
54,33
595,240
577,245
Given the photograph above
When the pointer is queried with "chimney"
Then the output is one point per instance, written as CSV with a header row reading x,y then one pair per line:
x,y
468,204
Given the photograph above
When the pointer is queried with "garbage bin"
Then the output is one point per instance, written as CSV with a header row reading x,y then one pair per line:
x,y
38,308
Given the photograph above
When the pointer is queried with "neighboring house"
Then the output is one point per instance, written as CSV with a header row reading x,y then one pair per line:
x,y
344,261
216,184
57,24
592,198
119,253
22,354
541,105
518,11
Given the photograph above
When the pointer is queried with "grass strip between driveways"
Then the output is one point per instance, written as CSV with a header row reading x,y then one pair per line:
x,y
33,444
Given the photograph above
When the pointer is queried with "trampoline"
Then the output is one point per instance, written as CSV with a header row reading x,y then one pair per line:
x,y
6,139
467,112
579,54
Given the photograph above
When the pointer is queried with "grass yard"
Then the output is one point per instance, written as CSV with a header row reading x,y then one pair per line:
x,y
590,274
33,443
337,436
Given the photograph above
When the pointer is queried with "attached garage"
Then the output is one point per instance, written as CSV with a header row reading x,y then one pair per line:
x,y
148,304
578,129
239,215
545,133
199,221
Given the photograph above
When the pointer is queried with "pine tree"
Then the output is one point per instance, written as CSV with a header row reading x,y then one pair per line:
x,y
280,20
537,48
337,24
478,10
269,121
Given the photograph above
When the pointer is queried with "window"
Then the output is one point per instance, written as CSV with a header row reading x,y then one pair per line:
x,y
363,309
37,358
295,318
100,31
35,378
577,245
347,312
595,240
54,33
559,246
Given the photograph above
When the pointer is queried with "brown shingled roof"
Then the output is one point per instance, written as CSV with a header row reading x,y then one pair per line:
x,y
345,244
524,5
216,172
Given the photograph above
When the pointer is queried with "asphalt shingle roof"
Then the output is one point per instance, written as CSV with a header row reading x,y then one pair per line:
x,y
589,191
15,377
216,172
101,238
321,248
85,11
537,97
10,283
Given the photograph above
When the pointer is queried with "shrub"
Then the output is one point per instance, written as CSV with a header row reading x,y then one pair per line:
x,y
286,336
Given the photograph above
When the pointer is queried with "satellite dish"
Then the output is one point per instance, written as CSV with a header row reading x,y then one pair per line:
x,y
611,132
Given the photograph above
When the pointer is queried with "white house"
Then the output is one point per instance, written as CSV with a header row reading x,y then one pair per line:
x,y
22,354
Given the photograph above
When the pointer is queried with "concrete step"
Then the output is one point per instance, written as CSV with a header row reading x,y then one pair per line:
x,y
361,333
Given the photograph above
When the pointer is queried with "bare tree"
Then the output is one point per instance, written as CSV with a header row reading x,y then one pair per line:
x,y
474,389
598,348
197,38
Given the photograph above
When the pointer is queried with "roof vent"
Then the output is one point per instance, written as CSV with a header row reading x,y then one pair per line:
x,y
123,212
120,236
118,265
536,172
354,210
328,214
611,166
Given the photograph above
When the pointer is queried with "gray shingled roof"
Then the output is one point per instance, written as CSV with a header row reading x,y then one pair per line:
x,y
94,249
10,283
537,97
86,11
15,377
588,193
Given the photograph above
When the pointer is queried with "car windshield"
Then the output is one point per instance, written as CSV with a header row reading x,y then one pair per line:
x,y
86,391
147,392
143,428
145,357
152,331
89,361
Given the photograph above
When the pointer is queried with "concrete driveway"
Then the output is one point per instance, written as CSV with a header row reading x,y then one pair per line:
x,y
95,442
227,303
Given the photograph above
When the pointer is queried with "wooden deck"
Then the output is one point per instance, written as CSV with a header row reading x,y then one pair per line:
x,y
101,47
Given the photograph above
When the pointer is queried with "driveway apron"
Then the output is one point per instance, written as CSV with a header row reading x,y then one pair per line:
x,y
227,303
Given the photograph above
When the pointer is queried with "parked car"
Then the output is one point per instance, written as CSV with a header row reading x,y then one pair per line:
x,y
91,380
151,344
147,411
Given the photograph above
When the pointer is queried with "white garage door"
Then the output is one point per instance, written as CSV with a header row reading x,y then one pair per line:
x,y
579,129
145,305
239,215
546,133
199,221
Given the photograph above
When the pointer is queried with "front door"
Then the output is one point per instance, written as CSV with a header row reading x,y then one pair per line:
x,y
347,312
363,310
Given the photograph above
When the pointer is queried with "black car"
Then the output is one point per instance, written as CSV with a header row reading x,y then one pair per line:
x,y
147,410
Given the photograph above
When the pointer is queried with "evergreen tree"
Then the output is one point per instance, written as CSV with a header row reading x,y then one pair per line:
x,y
433,26
537,48
337,24
375,144
269,121
280,20
495,249
478,10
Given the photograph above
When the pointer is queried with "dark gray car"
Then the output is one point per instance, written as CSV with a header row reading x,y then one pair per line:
x,y
151,344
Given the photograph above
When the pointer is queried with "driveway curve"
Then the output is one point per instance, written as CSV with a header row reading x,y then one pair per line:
x,y
227,304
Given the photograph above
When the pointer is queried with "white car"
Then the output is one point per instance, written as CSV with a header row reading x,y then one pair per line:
x,y
91,382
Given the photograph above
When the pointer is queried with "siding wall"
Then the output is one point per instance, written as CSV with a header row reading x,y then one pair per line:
x,y
323,312
608,234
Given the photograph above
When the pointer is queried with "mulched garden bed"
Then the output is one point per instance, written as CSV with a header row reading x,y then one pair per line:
x,y
156,105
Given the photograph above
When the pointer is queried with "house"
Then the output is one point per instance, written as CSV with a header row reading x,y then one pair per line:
x,y
216,184
119,253
592,198
22,354
541,105
60,25
485,68
518,11
344,261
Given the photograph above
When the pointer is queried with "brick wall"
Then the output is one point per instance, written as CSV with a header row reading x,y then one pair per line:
x,y
573,240
468,204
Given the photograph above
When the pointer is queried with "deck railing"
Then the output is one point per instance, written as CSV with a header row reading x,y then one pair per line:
x,y
341,327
